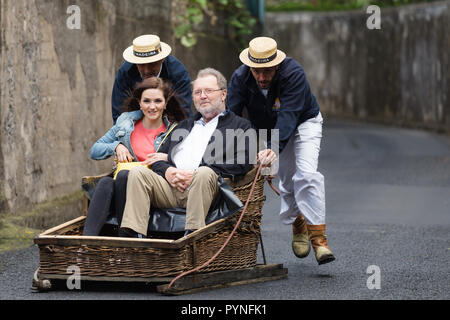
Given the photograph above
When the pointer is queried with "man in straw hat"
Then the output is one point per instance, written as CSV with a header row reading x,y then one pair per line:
x,y
274,91
150,57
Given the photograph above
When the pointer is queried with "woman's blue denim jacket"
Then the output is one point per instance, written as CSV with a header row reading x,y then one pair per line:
x,y
121,133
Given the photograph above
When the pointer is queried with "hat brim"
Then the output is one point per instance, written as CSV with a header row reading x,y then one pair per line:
x,y
129,56
245,60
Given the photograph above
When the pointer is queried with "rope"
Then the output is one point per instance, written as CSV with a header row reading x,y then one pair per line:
x,y
229,237
269,181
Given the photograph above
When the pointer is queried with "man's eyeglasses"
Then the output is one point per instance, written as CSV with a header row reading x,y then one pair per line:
x,y
208,92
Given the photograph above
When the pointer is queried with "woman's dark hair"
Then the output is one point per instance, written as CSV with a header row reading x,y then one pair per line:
x,y
174,112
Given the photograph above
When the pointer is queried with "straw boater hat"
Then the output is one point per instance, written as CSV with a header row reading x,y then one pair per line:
x,y
146,49
262,53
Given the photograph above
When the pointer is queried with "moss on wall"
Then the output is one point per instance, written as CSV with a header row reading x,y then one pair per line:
x,y
18,229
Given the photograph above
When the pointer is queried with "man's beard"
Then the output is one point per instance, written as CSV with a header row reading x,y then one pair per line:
x,y
264,85
211,111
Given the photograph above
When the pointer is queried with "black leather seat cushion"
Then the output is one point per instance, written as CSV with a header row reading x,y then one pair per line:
x,y
174,219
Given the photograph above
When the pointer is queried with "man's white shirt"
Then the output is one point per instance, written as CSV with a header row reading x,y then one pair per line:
x,y
265,92
188,154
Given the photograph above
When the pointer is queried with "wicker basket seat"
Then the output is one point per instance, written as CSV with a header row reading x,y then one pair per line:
x,y
64,246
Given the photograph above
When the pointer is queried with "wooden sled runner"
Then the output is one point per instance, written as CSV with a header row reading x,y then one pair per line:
x,y
159,261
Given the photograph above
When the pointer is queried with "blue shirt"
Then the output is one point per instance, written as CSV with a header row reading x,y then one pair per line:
x,y
289,100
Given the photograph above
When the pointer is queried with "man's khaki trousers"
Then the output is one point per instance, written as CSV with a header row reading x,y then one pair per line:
x,y
146,188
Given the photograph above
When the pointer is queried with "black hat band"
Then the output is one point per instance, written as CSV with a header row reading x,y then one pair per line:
x,y
147,54
264,60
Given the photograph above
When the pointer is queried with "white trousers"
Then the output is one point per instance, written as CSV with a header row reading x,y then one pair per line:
x,y
301,186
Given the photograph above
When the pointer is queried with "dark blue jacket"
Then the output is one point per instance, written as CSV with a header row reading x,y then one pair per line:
x,y
289,101
128,76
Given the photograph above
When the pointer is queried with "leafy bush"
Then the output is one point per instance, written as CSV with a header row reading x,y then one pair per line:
x,y
237,18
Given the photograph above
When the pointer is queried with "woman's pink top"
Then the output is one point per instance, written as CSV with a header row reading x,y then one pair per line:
x,y
143,140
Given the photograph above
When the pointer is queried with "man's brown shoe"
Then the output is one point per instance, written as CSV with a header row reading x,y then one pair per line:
x,y
300,239
319,243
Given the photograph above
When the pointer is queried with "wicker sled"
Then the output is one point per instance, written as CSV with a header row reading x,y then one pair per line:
x,y
104,258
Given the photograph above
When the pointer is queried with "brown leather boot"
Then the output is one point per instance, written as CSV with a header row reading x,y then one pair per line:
x,y
300,239
319,243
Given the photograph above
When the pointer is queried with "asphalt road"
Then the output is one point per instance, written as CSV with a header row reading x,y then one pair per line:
x,y
388,205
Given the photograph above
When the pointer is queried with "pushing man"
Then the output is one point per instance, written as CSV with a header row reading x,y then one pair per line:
x,y
274,91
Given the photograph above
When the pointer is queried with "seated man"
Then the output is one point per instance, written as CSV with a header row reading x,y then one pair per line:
x,y
195,161
150,57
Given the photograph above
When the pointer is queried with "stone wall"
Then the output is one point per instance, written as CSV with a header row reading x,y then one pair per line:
x,y
55,83
55,86
399,74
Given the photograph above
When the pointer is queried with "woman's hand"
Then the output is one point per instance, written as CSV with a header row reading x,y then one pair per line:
x,y
155,157
123,155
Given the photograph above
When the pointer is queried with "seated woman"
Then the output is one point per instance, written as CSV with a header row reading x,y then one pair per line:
x,y
151,112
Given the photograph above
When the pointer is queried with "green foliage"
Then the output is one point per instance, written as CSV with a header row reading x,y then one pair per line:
x,y
236,17
325,5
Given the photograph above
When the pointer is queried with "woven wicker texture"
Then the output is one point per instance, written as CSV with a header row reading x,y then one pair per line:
x,y
111,260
